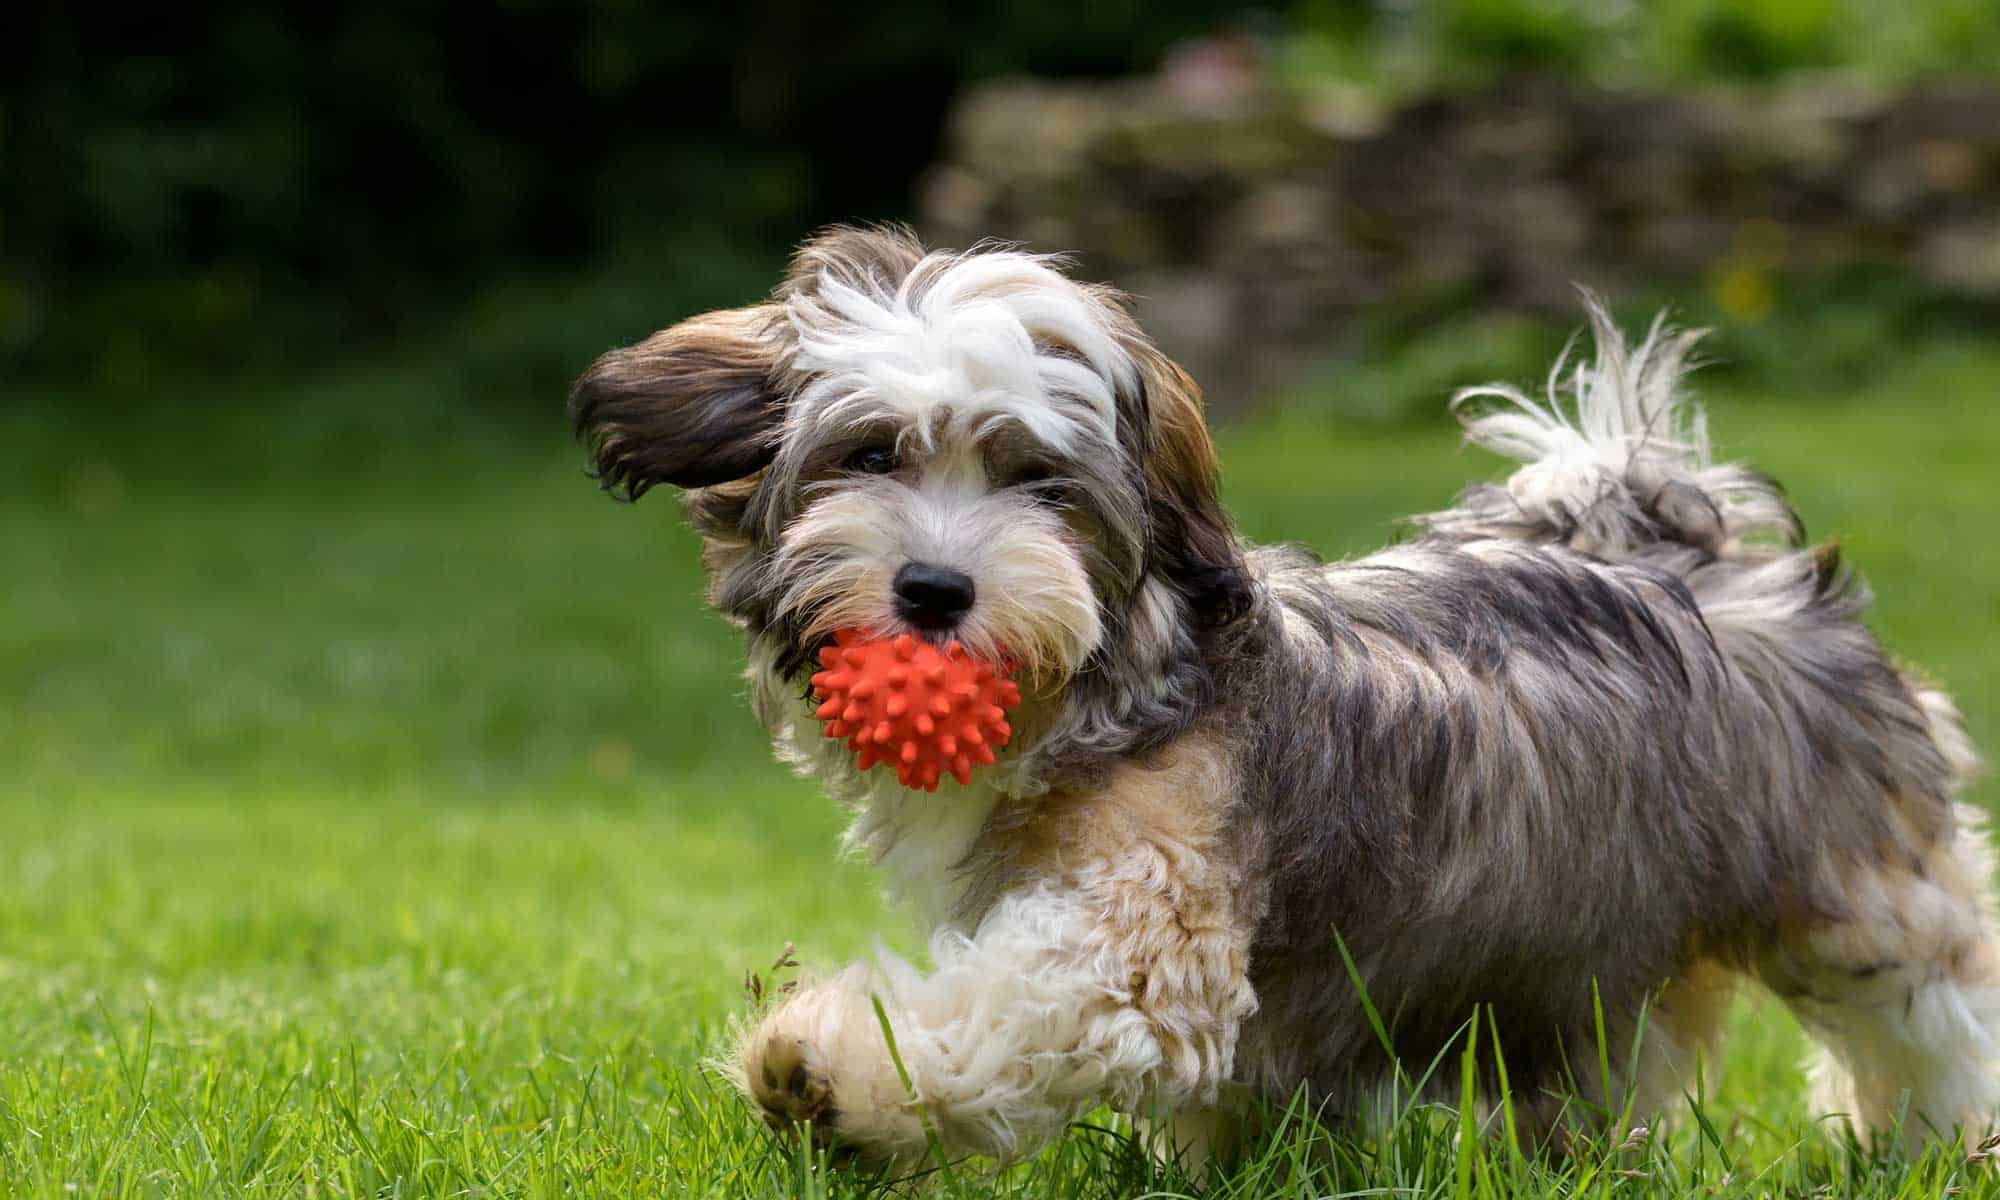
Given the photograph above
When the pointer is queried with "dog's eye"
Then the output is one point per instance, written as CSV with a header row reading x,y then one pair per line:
x,y
871,460
1029,475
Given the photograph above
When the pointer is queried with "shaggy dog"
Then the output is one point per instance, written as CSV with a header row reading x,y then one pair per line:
x,y
1595,743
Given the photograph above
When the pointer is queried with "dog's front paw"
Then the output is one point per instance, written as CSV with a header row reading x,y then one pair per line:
x,y
820,1062
787,1084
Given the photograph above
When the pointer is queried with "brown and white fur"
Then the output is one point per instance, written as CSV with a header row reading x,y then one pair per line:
x,y
1606,729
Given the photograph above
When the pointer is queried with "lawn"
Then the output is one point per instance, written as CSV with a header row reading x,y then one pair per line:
x,y
383,818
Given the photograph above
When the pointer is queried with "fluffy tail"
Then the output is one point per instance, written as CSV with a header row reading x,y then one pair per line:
x,y
1623,465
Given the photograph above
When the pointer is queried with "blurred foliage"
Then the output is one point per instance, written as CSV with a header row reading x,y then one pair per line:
x,y
230,185
1808,335
1409,46
240,190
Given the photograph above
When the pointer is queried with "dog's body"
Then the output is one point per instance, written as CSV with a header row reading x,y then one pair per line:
x,y
1598,739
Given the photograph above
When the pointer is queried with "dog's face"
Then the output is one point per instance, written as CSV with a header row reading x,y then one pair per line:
x,y
956,446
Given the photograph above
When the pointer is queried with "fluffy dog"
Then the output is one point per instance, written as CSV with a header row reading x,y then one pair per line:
x,y
1603,737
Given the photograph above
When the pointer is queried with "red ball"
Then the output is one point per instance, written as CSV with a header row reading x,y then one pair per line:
x,y
907,704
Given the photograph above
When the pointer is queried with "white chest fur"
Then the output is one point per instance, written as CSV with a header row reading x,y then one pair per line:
x,y
919,839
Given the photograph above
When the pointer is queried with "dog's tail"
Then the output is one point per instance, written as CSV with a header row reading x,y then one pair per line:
x,y
1617,459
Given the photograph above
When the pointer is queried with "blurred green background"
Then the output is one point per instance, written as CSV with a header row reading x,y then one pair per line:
x,y
374,789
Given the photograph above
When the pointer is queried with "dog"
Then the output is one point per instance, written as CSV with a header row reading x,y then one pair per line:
x,y
1589,747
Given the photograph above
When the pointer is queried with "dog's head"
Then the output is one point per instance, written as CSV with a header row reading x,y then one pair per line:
x,y
967,446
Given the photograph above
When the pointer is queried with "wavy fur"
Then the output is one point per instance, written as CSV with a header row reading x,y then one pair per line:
x,y
1617,458
1601,738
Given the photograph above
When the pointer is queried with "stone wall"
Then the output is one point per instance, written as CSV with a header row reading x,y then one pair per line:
x,y
1253,224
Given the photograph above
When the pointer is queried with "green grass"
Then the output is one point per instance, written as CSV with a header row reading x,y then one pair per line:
x,y
382,817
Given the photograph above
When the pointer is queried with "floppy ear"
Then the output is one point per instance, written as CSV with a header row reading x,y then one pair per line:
x,y
1194,545
694,406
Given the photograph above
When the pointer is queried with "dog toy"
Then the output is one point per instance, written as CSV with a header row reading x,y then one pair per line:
x,y
906,703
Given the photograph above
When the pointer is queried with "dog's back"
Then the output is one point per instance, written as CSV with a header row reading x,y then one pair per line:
x,y
1607,723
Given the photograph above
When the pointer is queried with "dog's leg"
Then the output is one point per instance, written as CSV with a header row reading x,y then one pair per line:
x,y
1064,999
1903,990
1114,971
1201,1138
1679,1046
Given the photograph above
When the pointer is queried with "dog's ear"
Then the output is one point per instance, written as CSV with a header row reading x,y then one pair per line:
x,y
1194,544
693,406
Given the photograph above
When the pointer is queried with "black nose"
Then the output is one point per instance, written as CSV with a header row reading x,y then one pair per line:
x,y
932,597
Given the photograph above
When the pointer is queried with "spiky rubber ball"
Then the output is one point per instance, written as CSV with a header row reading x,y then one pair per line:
x,y
905,703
